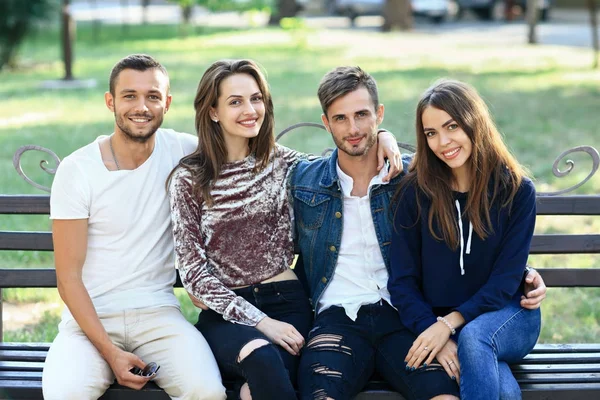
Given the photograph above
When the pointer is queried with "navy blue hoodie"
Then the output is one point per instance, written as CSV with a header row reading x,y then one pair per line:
x,y
428,278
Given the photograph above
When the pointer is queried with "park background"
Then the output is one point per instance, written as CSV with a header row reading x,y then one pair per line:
x,y
545,98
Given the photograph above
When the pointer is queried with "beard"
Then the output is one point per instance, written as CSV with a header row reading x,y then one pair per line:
x,y
353,151
142,137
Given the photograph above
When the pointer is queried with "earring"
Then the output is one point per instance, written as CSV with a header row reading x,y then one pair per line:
x,y
215,120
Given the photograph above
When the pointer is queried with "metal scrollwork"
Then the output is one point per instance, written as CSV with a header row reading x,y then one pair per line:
x,y
43,164
298,125
592,152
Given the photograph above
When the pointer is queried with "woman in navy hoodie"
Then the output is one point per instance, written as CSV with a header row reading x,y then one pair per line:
x,y
463,226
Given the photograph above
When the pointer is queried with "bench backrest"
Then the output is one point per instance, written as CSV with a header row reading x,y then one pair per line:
x,y
548,204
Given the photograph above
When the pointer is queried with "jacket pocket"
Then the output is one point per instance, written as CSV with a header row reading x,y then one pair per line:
x,y
310,208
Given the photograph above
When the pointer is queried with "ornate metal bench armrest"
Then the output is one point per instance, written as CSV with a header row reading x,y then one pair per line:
x,y
43,164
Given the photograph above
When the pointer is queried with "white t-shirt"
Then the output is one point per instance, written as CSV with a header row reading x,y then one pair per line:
x,y
130,259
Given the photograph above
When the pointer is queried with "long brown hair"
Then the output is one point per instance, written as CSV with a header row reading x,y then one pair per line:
x,y
206,162
495,173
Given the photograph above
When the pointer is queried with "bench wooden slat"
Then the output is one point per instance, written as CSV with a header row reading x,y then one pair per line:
x,y
40,241
46,278
34,278
27,390
22,355
558,391
589,377
566,347
571,277
21,375
541,244
552,368
21,366
565,244
562,358
24,204
553,205
568,205
41,346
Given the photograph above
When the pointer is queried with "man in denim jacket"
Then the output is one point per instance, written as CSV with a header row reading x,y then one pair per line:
x,y
345,270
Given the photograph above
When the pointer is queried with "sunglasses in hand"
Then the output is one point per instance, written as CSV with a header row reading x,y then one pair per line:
x,y
149,370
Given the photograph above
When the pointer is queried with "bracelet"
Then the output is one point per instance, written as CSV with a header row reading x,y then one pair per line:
x,y
445,322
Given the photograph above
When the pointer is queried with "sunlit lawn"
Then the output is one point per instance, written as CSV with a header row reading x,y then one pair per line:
x,y
545,100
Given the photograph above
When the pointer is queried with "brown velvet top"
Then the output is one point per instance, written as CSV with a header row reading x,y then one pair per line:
x,y
244,238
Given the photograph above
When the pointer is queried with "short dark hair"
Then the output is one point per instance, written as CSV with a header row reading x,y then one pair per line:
x,y
138,62
343,80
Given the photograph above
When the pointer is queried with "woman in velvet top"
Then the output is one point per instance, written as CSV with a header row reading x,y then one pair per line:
x,y
463,226
233,233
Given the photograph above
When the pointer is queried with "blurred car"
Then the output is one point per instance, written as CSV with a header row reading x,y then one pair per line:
x,y
435,10
494,9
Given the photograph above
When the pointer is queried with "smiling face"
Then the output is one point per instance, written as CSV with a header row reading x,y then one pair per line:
x,y
140,102
447,141
240,109
353,121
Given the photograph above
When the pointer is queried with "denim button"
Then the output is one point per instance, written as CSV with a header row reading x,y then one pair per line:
x,y
338,214
332,248
256,289
324,279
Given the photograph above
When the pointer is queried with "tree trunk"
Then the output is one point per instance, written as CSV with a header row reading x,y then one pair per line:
x,y
145,4
508,10
285,9
13,39
532,18
95,22
397,15
68,34
125,17
594,24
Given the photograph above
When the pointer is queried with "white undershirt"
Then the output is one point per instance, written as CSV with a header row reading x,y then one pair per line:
x,y
360,277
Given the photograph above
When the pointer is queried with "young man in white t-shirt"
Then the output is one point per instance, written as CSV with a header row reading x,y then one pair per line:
x,y
114,259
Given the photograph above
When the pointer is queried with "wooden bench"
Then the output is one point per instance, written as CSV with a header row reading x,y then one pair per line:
x,y
551,371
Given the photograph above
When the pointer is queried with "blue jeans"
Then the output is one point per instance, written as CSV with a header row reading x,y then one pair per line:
x,y
270,370
488,344
341,355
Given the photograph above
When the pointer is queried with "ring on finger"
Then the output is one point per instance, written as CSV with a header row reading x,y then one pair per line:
x,y
450,362
425,348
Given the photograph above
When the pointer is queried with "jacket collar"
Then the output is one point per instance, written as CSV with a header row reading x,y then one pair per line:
x,y
330,175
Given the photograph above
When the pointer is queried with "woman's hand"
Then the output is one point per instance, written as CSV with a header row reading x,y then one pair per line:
x,y
427,345
283,334
448,358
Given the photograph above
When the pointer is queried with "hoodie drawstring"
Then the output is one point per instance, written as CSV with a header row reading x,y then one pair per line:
x,y
462,240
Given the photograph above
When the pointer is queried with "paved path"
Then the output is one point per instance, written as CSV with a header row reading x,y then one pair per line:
x,y
566,28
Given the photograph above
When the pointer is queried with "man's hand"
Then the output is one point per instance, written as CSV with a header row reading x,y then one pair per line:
x,y
121,363
388,147
448,358
427,345
283,334
197,302
535,290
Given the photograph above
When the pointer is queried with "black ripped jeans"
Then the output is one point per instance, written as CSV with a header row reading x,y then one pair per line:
x,y
341,355
270,370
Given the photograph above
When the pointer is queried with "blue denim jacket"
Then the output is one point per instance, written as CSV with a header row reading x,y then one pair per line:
x,y
315,194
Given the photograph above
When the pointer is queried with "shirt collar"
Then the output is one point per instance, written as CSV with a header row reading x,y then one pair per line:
x,y
347,183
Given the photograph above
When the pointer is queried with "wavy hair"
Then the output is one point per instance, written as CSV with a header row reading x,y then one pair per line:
x,y
205,163
496,174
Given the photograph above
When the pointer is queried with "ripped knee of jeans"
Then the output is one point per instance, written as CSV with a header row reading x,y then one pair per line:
x,y
321,394
328,342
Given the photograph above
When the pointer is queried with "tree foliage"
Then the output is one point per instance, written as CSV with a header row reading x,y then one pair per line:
x,y
17,19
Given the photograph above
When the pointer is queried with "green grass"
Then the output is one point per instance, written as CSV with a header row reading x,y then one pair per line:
x,y
545,100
